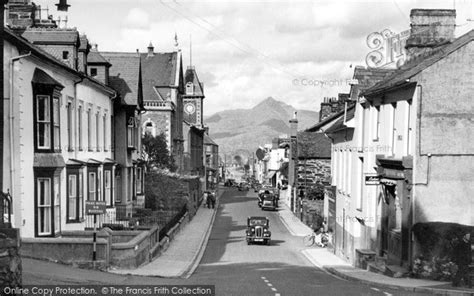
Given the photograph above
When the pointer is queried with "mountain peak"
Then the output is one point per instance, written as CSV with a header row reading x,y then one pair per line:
x,y
269,102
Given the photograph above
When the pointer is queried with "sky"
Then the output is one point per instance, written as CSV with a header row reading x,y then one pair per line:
x,y
297,52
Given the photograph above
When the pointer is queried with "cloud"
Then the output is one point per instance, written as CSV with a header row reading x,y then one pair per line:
x,y
137,18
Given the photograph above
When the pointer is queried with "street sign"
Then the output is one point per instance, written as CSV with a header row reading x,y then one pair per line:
x,y
95,207
372,180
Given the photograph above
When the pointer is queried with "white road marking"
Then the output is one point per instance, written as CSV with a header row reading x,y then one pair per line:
x,y
388,294
266,281
375,289
274,290
263,278
270,285
277,294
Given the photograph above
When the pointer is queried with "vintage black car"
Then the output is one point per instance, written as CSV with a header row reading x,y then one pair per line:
x,y
258,230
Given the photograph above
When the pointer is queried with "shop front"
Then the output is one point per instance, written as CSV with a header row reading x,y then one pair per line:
x,y
394,202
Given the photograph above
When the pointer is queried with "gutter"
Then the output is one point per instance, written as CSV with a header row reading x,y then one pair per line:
x,y
11,118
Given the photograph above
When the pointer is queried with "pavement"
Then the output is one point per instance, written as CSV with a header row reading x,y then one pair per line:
x,y
329,262
185,251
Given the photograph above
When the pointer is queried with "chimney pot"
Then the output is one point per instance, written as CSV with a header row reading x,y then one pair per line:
x,y
151,50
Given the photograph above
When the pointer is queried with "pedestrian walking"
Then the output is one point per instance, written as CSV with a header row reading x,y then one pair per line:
x,y
462,257
212,197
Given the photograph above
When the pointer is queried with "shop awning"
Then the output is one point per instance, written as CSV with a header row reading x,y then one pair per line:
x,y
389,182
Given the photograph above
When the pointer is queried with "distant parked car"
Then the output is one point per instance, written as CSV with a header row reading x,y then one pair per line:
x,y
244,186
269,201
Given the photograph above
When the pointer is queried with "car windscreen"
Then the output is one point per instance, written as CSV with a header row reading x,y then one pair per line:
x,y
257,222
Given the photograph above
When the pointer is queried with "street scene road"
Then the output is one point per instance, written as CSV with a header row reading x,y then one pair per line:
x,y
234,267
253,147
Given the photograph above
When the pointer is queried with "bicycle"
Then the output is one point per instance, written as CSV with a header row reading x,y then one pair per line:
x,y
320,239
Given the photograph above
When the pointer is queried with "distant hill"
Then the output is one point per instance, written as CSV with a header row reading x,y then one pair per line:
x,y
246,129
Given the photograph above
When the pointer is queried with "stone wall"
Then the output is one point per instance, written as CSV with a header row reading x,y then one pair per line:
x,y
10,261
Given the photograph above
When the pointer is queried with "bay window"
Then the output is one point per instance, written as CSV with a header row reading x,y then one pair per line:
x,y
46,110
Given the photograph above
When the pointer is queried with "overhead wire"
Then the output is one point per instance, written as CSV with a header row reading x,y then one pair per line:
x,y
236,44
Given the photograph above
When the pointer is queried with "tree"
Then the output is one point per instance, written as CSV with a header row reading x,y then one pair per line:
x,y
157,153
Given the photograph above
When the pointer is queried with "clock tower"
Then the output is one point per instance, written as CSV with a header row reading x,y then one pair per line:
x,y
193,98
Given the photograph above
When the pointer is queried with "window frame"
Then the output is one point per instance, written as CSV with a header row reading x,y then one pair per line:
x,y
77,172
80,110
52,95
89,129
108,191
54,213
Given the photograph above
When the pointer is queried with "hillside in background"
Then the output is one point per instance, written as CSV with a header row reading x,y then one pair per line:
x,y
246,129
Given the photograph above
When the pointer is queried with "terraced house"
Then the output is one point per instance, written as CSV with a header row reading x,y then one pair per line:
x,y
58,146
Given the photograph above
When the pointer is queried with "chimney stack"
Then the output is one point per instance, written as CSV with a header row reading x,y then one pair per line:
x,y
151,50
430,28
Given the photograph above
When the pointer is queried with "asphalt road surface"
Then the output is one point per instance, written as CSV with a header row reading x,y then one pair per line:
x,y
234,267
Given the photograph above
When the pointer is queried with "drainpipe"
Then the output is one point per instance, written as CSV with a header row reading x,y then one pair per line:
x,y
11,118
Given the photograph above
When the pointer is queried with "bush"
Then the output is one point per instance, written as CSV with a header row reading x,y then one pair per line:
x,y
438,269
163,192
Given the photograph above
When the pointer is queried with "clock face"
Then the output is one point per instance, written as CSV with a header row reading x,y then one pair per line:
x,y
189,108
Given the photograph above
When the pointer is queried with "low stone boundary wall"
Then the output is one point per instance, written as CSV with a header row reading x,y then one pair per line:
x,y
76,251
121,249
135,252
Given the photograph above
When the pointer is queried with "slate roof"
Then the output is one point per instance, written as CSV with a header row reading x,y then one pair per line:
x,y
159,73
322,123
209,141
191,76
339,124
313,145
94,57
367,77
51,36
124,76
407,71
24,44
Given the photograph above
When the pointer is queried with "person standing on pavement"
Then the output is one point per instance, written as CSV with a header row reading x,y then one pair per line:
x,y
462,256
212,197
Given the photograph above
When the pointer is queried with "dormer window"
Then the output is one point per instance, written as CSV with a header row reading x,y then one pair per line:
x,y
93,72
189,88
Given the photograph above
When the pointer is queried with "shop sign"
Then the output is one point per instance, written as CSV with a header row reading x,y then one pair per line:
x,y
372,180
